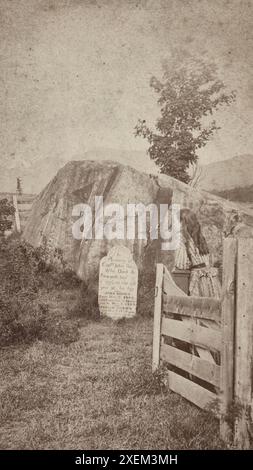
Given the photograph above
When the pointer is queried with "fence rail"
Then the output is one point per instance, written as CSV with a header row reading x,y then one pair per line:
x,y
199,307
22,205
206,344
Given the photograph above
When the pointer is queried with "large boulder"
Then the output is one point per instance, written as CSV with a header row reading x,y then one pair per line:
x,y
50,221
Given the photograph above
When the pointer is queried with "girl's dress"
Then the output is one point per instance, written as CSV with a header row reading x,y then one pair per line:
x,y
204,279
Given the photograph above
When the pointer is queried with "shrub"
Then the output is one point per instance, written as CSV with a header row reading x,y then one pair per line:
x,y
60,331
53,279
21,266
86,305
6,212
23,317
26,267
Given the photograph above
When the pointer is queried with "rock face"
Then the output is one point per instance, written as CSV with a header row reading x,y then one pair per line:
x,y
50,221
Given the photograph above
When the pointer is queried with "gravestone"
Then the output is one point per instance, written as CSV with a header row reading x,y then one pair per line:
x,y
118,279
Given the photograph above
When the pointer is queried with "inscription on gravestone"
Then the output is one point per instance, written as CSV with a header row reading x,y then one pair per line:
x,y
118,279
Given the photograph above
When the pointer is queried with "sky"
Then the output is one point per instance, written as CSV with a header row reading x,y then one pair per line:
x,y
74,74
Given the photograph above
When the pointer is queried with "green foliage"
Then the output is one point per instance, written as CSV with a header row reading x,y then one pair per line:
x,y
24,316
26,267
21,319
61,330
6,211
86,304
20,265
189,92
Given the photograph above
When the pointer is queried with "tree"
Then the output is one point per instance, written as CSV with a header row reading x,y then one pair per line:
x,y
6,210
188,95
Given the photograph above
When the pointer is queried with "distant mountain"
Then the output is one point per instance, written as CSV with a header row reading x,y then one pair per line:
x,y
36,176
231,179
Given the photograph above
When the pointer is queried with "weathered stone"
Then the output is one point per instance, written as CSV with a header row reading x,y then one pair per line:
x,y
118,279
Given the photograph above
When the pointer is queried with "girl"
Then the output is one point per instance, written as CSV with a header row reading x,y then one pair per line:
x,y
193,254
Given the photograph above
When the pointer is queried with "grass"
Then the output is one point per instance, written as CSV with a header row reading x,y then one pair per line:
x,y
95,393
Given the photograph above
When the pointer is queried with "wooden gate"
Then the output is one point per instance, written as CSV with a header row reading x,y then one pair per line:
x,y
205,344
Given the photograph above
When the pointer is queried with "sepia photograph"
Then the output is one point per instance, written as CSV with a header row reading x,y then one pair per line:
x,y
126,231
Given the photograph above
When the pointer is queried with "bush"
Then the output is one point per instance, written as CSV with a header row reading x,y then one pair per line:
x,y
23,317
86,305
19,267
61,331
53,279
6,213
26,267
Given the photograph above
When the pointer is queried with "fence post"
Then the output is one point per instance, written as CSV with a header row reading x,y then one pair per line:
x,y
244,341
17,218
157,316
227,330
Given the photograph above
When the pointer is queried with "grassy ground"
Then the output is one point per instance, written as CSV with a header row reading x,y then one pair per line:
x,y
95,393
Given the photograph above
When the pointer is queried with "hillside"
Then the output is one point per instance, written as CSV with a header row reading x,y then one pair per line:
x,y
231,179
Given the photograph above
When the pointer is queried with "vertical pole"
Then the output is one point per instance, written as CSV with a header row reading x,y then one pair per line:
x,y
227,331
157,317
17,218
244,341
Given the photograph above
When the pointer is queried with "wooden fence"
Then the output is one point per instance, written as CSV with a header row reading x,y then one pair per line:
x,y
22,204
206,345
